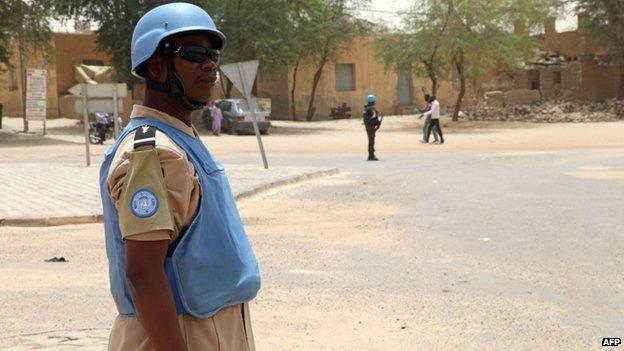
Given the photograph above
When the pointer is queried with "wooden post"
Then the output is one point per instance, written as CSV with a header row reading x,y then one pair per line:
x,y
115,113
85,117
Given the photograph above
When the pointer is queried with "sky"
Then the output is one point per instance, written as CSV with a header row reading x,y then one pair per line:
x,y
388,11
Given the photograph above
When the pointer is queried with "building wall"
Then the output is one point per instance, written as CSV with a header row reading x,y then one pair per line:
x,y
571,82
69,49
277,89
73,49
370,78
582,78
12,99
599,82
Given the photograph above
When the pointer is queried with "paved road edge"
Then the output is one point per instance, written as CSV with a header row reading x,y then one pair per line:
x,y
56,221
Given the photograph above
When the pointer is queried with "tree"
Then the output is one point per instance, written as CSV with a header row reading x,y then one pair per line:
x,y
419,49
255,29
605,19
474,37
305,35
5,40
481,37
333,27
116,20
26,25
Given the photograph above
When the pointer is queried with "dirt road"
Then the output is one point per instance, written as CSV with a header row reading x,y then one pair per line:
x,y
506,237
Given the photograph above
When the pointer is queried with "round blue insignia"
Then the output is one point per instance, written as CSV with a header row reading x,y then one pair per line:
x,y
144,203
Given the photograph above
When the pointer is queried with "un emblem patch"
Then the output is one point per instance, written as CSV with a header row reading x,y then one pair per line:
x,y
144,203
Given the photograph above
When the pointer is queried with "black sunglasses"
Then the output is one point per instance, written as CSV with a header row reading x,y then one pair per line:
x,y
199,54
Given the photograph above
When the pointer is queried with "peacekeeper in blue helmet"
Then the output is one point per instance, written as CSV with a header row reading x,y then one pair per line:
x,y
181,267
372,121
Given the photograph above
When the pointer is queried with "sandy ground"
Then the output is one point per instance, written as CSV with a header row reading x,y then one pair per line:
x,y
398,134
326,256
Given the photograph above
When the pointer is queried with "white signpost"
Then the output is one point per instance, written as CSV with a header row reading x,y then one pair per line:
x,y
107,96
242,76
36,80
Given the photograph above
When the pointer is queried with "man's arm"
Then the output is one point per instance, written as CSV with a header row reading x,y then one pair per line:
x,y
151,293
428,110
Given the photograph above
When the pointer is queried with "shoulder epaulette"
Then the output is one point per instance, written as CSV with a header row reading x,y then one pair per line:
x,y
144,135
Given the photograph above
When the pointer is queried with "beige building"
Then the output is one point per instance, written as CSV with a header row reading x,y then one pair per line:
x,y
353,75
69,49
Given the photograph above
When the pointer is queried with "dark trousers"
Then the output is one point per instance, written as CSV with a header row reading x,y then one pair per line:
x,y
434,124
371,129
101,129
426,126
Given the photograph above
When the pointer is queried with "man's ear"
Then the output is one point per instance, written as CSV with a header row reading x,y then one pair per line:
x,y
157,69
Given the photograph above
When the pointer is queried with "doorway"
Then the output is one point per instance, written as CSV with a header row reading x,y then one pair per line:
x,y
404,87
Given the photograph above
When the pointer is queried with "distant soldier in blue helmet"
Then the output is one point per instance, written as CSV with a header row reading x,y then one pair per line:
x,y
181,267
372,122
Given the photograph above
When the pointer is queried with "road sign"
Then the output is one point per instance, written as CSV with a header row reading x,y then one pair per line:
x,y
242,76
100,90
36,80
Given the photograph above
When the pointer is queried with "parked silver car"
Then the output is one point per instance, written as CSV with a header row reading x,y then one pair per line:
x,y
237,117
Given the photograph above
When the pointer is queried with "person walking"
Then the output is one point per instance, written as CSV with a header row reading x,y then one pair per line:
x,y
217,117
372,122
427,121
181,277
434,113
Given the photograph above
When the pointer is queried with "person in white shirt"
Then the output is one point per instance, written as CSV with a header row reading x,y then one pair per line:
x,y
427,121
434,112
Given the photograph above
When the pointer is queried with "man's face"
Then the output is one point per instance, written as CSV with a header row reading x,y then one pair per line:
x,y
198,78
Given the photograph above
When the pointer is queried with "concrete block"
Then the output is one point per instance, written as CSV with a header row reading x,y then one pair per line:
x,y
521,97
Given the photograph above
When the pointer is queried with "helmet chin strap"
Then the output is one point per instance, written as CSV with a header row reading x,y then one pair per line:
x,y
173,84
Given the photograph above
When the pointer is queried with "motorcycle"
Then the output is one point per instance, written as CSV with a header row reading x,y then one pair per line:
x,y
102,129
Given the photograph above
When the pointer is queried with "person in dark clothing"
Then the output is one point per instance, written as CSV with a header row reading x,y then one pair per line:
x,y
372,121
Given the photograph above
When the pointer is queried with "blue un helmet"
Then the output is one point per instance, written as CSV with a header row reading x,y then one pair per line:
x,y
371,99
155,27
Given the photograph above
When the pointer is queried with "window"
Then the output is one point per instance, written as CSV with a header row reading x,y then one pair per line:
x,y
242,105
225,106
345,77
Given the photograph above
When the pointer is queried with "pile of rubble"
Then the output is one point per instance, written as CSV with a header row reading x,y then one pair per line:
x,y
551,112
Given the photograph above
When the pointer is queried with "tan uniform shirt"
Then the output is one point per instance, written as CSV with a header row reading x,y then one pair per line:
x,y
166,172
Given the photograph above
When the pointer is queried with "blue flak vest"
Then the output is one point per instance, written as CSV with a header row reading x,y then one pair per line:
x,y
211,265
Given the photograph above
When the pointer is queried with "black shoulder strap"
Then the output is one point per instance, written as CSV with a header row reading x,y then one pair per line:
x,y
144,135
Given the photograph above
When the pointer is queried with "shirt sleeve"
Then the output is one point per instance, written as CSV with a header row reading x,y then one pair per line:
x,y
143,204
428,110
174,182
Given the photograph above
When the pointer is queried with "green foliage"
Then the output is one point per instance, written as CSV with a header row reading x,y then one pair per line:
x,y
116,19
605,20
332,29
475,37
5,39
266,30
25,24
